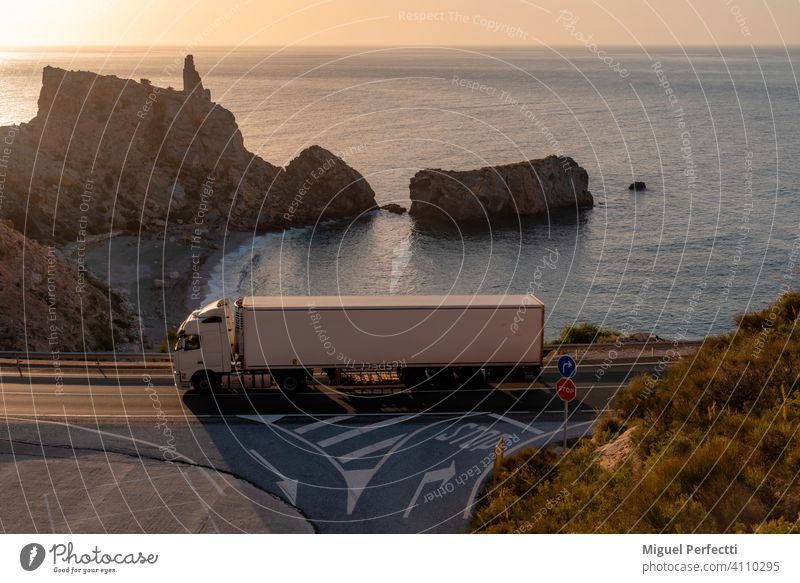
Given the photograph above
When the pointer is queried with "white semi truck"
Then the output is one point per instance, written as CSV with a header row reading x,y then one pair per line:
x,y
445,341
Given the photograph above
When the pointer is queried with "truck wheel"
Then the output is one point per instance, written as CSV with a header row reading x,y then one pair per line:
x,y
205,381
291,381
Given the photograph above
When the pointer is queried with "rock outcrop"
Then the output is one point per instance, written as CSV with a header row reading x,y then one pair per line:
x,y
323,187
192,83
610,455
105,153
525,189
394,208
50,305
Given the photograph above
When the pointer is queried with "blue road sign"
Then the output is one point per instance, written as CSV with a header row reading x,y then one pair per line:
x,y
567,366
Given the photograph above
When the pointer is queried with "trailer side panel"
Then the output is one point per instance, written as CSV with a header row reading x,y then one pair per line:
x,y
384,337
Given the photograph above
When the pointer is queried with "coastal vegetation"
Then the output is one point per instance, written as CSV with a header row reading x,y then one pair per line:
x,y
170,337
585,333
710,445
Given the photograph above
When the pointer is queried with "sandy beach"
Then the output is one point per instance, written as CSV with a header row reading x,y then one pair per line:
x,y
162,279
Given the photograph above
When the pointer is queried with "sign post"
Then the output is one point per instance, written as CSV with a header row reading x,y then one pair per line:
x,y
565,387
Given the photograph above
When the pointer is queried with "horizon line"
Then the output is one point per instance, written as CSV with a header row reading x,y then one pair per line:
x,y
13,48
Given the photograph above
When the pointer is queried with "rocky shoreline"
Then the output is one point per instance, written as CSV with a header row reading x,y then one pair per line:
x,y
143,189
137,187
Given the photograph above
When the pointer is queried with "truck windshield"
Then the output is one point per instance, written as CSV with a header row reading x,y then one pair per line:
x,y
191,342
188,342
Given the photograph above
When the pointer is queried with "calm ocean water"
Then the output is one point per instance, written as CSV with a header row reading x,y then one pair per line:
x,y
716,137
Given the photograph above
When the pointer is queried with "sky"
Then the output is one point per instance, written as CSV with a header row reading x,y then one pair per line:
x,y
398,22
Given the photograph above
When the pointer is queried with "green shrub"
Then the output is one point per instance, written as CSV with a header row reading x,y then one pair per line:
x,y
716,446
169,340
585,333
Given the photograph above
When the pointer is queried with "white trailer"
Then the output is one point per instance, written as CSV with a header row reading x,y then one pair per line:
x,y
446,340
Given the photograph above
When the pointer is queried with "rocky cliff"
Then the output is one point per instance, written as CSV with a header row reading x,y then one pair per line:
x,y
107,153
524,189
51,306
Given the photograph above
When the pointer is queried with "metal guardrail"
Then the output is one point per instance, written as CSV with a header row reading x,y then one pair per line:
x,y
102,362
161,359
86,356
579,351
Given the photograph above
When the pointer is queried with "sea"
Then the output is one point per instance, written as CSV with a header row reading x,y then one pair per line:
x,y
714,133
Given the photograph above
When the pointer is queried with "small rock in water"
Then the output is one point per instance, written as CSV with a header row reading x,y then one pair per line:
x,y
394,208
637,186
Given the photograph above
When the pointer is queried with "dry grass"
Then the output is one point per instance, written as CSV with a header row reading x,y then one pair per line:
x,y
714,448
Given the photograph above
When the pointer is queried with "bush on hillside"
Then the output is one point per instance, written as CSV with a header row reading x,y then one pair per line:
x,y
716,448
585,333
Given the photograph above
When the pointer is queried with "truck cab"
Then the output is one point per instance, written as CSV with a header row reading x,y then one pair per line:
x,y
204,347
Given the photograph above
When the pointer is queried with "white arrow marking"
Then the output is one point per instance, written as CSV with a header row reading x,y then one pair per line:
x,y
321,423
359,453
287,485
356,481
442,476
361,430
265,419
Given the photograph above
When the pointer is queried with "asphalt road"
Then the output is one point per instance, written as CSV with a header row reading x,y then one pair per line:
x,y
375,460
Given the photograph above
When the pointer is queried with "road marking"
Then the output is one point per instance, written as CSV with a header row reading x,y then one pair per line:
x,y
526,427
321,423
361,431
359,453
442,476
49,514
287,485
357,480
265,419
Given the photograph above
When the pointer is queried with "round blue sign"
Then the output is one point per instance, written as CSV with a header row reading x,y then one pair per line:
x,y
567,366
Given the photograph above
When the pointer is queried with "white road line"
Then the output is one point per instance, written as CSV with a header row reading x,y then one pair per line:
x,y
267,465
321,423
265,419
49,514
189,415
125,394
524,426
361,430
442,476
359,453
17,377
287,485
